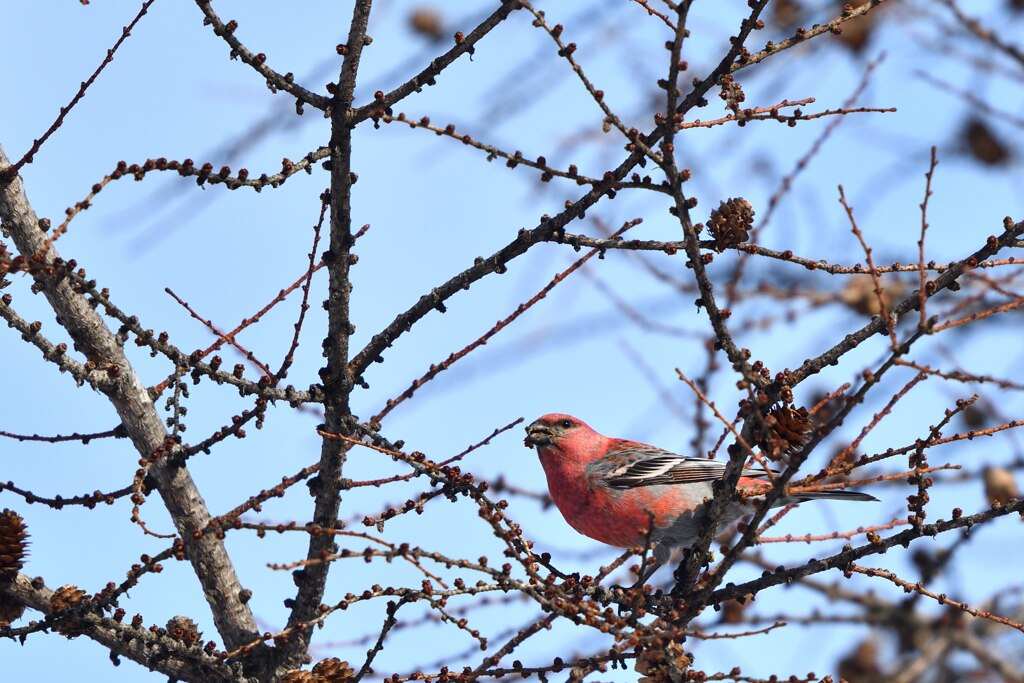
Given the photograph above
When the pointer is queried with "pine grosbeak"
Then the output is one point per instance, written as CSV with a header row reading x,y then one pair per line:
x,y
625,493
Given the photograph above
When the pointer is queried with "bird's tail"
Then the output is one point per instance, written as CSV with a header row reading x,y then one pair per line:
x,y
835,495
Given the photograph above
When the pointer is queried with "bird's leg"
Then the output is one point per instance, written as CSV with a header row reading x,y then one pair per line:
x,y
662,553
646,574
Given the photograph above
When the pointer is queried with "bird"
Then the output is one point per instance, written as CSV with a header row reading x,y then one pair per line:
x,y
625,493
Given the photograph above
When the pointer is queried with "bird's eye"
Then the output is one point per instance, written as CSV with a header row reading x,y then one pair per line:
x,y
567,423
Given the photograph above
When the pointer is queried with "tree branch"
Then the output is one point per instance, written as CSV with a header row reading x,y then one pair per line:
x,y
143,425
336,375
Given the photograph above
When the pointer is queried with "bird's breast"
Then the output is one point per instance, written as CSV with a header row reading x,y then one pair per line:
x,y
620,518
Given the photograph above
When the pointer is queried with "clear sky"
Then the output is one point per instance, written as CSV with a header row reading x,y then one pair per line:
x,y
604,345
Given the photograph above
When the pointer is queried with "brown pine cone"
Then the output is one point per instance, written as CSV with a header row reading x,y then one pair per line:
x,y
66,598
9,612
1000,486
183,629
331,670
788,429
13,541
730,223
667,664
427,21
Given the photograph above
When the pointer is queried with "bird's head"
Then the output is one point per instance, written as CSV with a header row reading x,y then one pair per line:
x,y
553,429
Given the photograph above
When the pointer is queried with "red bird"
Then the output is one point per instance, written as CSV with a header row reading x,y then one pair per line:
x,y
621,492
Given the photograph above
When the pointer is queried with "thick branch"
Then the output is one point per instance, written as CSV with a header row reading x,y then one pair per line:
x,y
143,425
157,652
851,341
336,376
258,61
725,490
848,555
428,75
549,229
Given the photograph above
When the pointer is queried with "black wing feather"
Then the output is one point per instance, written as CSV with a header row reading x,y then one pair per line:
x,y
668,468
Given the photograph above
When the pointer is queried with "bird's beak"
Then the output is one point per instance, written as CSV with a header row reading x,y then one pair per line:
x,y
539,434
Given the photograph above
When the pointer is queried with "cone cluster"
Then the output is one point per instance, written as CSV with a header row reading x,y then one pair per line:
x,y
183,629
668,664
9,611
331,670
64,599
787,431
13,542
730,223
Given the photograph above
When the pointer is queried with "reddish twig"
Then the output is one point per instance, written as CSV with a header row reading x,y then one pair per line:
x,y
410,475
655,13
289,356
835,535
828,398
12,170
498,327
922,278
980,315
403,551
728,425
961,376
882,305
844,454
941,598
222,338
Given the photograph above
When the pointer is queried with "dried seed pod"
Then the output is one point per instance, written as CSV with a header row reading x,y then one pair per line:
x,y
787,431
859,294
861,665
13,542
67,598
856,33
427,22
1000,486
331,670
666,664
984,144
184,629
730,223
974,417
732,610
9,611
786,14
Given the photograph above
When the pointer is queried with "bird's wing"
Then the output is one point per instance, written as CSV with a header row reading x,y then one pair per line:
x,y
629,465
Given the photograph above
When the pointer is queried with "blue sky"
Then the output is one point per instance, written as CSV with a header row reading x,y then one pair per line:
x,y
433,206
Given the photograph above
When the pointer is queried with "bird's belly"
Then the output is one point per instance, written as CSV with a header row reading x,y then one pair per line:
x,y
635,517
